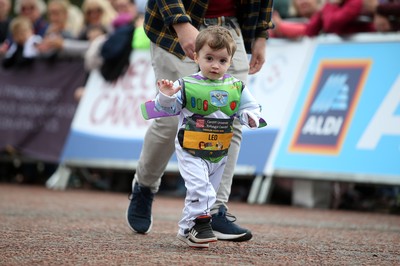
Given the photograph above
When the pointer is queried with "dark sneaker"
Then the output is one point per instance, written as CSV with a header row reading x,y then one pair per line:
x,y
224,227
138,214
202,232
190,243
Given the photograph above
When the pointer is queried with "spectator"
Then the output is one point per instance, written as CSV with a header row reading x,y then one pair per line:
x,y
303,10
295,26
341,17
98,14
5,18
23,49
118,47
125,6
75,19
34,10
112,3
127,13
126,10
387,15
59,40
67,47
57,13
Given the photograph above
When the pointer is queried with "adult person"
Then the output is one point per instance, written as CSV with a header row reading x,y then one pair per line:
x,y
98,15
295,26
172,28
305,9
57,15
75,19
5,18
35,11
340,17
387,15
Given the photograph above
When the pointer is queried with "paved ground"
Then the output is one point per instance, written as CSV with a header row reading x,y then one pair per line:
x,y
83,227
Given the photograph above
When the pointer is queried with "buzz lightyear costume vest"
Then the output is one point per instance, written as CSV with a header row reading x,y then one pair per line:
x,y
201,136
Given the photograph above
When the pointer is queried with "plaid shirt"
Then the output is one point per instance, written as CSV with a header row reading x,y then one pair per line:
x,y
254,17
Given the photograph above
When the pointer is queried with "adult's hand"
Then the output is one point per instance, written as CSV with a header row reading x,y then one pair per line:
x,y
187,34
257,55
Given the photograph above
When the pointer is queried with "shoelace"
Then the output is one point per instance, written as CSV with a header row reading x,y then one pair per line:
x,y
229,217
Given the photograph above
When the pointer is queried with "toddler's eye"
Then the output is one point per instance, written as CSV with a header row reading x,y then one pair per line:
x,y
209,58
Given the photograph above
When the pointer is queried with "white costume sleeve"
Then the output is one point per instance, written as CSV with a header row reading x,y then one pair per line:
x,y
248,108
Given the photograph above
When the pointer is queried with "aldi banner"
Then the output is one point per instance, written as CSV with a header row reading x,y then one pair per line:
x,y
346,121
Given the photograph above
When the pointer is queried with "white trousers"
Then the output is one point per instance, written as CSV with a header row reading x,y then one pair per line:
x,y
202,179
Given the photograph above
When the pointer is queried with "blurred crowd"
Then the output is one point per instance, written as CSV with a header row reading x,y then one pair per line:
x,y
101,30
102,33
53,29
298,18
56,28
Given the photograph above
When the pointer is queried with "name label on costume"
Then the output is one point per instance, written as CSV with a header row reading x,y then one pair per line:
x,y
207,137
212,137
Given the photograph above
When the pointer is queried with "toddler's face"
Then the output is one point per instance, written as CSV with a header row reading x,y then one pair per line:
x,y
213,63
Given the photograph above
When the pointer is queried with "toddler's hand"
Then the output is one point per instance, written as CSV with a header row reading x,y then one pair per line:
x,y
167,87
249,119
252,123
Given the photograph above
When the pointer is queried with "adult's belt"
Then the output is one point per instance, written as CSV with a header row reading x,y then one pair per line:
x,y
222,21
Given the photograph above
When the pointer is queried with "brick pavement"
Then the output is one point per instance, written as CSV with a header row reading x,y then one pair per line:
x,y
84,227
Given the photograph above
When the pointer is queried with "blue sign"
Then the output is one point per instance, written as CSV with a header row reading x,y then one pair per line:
x,y
347,116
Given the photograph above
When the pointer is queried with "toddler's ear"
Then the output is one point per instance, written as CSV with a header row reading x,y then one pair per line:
x,y
195,57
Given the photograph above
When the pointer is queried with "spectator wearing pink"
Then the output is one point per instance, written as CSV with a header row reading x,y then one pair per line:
x,y
303,10
295,26
126,13
341,17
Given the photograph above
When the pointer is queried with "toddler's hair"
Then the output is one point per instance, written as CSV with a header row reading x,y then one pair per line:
x,y
217,38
